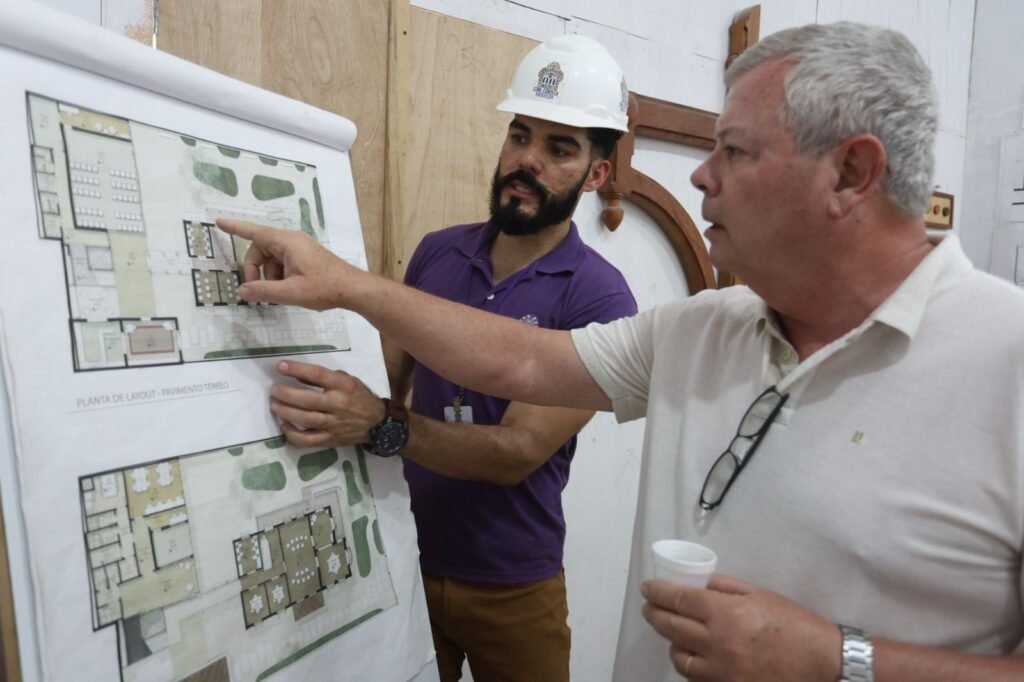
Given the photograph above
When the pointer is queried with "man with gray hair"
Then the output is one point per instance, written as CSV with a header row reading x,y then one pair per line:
x,y
879,379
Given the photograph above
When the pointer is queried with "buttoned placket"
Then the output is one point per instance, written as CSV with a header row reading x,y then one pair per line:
x,y
783,368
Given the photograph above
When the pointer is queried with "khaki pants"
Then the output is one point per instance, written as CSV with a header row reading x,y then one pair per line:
x,y
509,633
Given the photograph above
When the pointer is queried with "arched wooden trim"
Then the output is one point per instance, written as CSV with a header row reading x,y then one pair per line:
x,y
743,32
649,117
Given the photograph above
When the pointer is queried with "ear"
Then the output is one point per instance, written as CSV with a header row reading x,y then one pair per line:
x,y
860,168
599,171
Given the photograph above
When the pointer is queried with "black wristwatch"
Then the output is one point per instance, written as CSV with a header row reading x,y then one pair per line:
x,y
389,436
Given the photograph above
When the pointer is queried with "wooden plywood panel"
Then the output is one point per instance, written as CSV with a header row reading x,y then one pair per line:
x,y
223,35
334,55
513,16
458,72
9,663
395,146
330,54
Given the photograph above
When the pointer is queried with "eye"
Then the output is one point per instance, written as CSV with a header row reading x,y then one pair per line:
x,y
517,138
731,151
559,152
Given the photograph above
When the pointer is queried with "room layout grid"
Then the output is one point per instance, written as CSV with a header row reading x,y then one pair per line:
x,y
233,563
150,280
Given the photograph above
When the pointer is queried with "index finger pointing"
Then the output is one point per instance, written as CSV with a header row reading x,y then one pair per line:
x,y
242,228
262,249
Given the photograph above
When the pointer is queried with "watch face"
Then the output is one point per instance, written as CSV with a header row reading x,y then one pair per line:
x,y
389,438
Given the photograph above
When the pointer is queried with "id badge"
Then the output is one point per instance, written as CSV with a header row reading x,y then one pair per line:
x,y
462,415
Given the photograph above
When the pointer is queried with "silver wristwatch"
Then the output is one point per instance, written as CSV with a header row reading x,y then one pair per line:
x,y
858,656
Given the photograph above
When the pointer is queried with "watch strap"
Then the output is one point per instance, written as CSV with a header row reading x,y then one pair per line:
x,y
394,412
858,656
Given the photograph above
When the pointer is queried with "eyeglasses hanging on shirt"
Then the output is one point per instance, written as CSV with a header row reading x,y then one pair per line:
x,y
742,447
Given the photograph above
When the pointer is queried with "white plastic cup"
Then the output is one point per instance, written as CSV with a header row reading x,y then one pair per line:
x,y
682,562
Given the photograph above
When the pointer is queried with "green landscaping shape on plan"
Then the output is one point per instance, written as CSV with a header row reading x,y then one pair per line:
x,y
272,350
235,452
215,176
266,188
376,537
361,456
275,443
313,464
359,527
305,221
355,495
230,152
264,477
319,203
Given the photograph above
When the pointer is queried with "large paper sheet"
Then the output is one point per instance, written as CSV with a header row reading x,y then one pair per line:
x,y
168,529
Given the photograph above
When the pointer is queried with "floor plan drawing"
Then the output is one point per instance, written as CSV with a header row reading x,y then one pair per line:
x,y
157,526
150,279
232,564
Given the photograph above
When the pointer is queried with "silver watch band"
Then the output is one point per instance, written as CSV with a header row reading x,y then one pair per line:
x,y
858,656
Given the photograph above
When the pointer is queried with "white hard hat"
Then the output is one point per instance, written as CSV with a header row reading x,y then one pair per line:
x,y
572,80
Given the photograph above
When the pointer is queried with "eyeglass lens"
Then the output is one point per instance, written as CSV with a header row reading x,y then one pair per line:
x,y
757,414
719,476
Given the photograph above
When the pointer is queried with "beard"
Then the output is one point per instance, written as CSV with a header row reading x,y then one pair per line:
x,y
551,208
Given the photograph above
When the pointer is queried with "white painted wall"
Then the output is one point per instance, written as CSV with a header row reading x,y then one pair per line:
x,y
996,109
117,15
674,50
90,10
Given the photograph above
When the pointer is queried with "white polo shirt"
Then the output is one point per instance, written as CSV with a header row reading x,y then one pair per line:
x,y
888,494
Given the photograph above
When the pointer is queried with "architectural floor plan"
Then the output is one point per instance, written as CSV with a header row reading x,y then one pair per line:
x,y
150,279
231,564
157,526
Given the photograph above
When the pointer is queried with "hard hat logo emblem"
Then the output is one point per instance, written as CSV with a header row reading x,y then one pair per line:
x,y
548,79
624,102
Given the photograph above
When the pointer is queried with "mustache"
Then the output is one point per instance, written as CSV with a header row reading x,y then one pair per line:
x,y
528,179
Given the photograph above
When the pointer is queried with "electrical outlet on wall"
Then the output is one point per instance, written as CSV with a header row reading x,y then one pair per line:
x,y
940,211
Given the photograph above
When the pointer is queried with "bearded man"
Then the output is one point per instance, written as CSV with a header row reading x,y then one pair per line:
x,y
485,474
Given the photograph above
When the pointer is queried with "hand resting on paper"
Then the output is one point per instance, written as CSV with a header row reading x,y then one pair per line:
x,y
336,409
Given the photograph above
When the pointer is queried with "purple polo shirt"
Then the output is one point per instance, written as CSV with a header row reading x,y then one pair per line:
x,y
479,531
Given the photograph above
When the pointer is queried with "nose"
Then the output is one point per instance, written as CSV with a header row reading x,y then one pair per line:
x,y
531,159
703,179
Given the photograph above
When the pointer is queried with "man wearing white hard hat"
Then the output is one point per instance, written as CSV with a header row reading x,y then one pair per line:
x,y
486,475
878,534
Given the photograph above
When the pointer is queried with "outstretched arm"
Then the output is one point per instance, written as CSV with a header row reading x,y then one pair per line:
x,y
514,360
400,366
737,631
337,409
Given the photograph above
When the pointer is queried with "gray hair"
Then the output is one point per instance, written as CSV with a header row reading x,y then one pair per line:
x,y
850,79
